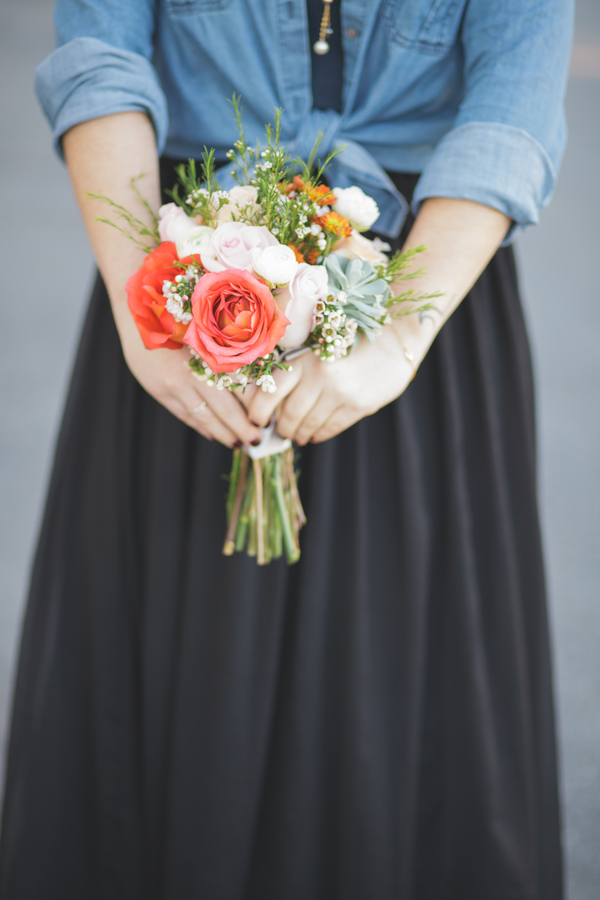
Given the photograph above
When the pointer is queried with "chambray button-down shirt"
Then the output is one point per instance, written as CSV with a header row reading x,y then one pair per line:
x,y
467,92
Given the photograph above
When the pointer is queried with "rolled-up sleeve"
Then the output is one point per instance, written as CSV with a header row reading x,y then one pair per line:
x,y
508,139
101,66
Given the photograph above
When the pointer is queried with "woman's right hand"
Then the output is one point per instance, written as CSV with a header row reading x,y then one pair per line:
x,y
164,374
103,156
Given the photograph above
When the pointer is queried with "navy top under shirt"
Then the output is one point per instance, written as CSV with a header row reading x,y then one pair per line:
x,y
327,70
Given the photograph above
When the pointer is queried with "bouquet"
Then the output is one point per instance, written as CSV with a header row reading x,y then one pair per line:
x,y
249,279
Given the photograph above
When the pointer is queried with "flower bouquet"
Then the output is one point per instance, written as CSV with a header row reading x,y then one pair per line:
x,y
249,279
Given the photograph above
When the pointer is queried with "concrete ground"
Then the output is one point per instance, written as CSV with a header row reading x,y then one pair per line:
x,y
41,239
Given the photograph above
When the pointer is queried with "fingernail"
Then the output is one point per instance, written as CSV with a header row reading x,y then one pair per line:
x,y
255,442
256,425
236,445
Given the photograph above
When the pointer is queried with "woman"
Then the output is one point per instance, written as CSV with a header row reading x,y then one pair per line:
x,y
374,723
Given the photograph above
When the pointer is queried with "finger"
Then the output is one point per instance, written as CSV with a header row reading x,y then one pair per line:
x,y
177,409
230,411
339,421
296,408
264,404
196,413
245,395
315,420
212,427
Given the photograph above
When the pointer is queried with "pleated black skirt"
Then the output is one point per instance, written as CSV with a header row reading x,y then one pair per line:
x,y
373,723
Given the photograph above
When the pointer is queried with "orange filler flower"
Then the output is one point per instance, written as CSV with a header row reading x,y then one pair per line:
x,y
322,195
335,223
297,253
296,184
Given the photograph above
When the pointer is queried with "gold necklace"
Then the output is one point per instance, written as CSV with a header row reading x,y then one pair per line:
x,y
321,47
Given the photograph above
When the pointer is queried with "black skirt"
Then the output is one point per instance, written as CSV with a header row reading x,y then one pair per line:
x,y
373,723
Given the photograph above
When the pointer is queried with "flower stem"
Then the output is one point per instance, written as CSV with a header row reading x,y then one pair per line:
x,y
292,550
244,517
233,481
289,461
260,538
238,496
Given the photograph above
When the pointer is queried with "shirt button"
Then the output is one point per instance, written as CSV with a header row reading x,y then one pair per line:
x,y
351,33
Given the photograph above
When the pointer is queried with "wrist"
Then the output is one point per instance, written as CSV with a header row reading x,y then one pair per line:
x,y
415,333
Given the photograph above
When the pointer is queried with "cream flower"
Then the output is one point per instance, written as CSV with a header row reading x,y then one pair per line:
x,y
276,264
240,197
196,241
358,246
356,206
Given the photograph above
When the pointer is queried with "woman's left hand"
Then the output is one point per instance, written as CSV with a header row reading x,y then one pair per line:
x,y
318,400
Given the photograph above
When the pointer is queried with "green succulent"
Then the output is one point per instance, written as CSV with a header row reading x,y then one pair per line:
x,y
366,294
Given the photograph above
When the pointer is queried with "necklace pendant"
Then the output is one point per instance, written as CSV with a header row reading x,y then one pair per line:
x,y
321,48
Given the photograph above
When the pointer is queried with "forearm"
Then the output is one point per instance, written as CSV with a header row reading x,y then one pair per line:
x,y
102,156
460,238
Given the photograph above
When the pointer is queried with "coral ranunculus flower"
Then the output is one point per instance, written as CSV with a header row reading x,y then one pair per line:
x,y
235,320
158,328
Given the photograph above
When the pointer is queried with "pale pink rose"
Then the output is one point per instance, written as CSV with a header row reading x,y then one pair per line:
x,y
358,246
232,245
298,301
173,224
240,197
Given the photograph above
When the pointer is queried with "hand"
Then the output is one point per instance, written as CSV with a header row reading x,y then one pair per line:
x,y
164,374
318,400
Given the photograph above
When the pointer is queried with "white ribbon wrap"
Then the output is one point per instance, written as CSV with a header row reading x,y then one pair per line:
x,y
270,444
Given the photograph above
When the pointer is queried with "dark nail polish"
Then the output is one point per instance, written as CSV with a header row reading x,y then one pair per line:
x,y
236,445
255,442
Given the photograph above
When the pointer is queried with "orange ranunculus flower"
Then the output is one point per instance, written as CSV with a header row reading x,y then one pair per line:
x,y
322,195
297,253
235,320
158,328
335,223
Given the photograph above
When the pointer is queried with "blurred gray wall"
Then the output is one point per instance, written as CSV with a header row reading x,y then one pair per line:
x,y
44,248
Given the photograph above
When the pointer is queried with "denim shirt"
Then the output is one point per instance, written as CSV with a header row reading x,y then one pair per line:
x,y
467,92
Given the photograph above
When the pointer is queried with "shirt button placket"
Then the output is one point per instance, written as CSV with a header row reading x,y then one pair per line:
x,y
294,60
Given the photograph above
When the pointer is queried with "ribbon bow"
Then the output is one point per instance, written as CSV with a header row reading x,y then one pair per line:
x,y
355,166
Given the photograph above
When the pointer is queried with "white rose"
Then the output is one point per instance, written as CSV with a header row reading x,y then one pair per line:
x,y
358,246
240,197
173,223
196,241
298,302
232,245
360,210
276,264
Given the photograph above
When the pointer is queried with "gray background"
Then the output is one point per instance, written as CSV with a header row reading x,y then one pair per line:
x,y
46,265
